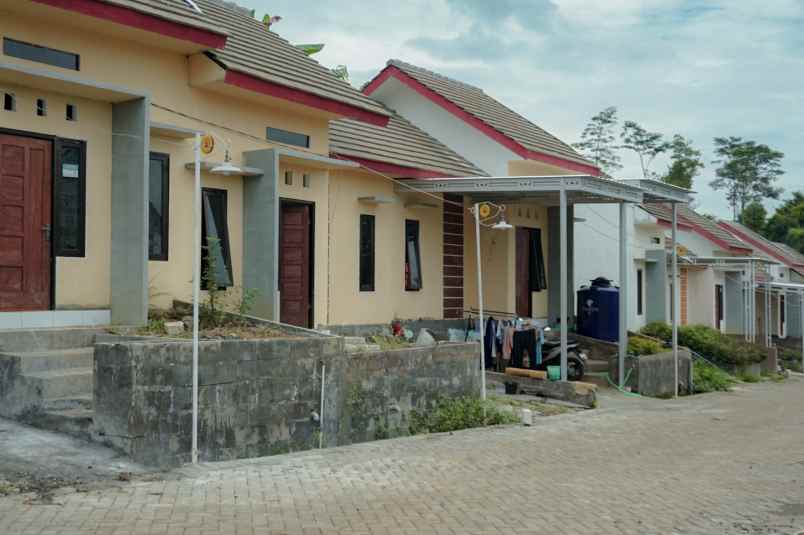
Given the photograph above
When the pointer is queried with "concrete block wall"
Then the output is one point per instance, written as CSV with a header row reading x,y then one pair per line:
x,y
257,397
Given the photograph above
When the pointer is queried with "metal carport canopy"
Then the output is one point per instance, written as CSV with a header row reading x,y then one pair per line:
x,y
562,190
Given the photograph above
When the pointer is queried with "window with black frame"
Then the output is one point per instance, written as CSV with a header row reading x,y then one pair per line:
x,y
366,253
216,258
69,198
158,206
413,261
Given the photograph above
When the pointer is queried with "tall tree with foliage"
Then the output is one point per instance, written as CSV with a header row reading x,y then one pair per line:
x,y
747,172
685,163
787,224
597,141
647,145
754,217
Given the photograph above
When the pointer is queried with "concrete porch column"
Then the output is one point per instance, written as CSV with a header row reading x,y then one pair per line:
x,y
261,232
554,263
656,286
129,260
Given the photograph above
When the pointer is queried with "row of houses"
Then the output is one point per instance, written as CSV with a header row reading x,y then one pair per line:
x,y
336,206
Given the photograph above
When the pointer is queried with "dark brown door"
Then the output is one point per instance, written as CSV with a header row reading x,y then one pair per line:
x,y
294,264
25,189
719,305
522,272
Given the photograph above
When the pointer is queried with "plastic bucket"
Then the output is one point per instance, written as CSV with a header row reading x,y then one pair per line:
x,y
554,373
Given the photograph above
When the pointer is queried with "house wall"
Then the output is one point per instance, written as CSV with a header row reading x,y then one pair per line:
x,y
498,260
80,282
467,141
237,122
701,297
597,253
389,300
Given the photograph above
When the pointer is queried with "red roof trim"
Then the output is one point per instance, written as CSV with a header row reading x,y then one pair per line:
x,y
756,243
509,143
392,169
252,83
142,21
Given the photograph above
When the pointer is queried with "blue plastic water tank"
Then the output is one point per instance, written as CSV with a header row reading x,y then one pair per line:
x,y
599,310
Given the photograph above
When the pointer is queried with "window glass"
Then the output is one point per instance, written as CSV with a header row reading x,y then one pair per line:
x,y
68,228
366,253
413,273
639,292
288,138
158,199
216,258
40,54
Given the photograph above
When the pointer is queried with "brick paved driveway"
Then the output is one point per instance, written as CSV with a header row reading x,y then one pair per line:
x,y
726,463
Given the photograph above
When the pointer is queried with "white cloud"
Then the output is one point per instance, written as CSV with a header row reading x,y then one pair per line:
x,y
694,67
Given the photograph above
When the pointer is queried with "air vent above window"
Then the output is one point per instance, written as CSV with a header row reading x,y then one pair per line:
x,y
41,54
288,138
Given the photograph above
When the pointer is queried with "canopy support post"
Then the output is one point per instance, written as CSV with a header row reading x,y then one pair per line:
x,y
624,290
676,296
563,276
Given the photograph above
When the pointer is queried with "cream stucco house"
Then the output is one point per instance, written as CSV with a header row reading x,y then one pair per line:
x,y
100,104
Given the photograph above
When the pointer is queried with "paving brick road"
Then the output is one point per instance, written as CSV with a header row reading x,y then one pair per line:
x,y
724,463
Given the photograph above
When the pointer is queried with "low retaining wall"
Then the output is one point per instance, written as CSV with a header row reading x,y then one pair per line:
x,y
258,397
439,328
654,375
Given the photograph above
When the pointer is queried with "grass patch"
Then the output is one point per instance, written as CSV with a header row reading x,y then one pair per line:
x,y
460,413
544,409
748,377
709,378
643,346
774,376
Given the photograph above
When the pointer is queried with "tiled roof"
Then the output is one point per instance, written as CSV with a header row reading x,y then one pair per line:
x,y
476,102
782,252
253,49
399,143
178,11
704,225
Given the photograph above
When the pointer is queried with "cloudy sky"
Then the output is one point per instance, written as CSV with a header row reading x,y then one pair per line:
x,y
694,67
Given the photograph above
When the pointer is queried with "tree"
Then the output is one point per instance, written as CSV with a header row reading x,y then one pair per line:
x,y
597,140
754,217
647,145
685,162
747,171
787,224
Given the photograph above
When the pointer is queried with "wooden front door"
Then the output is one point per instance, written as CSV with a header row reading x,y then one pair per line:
x,y
294,264
523,300
25,218
719,307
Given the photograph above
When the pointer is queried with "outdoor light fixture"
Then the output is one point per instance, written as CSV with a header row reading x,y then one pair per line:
x,y
226,168
483,211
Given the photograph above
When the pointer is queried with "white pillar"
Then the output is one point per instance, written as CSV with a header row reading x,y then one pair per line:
x,y
563,284
624,293
196,287
768,314
480,306
676,296
801,304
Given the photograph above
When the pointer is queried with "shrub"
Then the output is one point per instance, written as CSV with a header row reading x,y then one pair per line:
x,y
643,346
658,329
709,378
790,359
461,413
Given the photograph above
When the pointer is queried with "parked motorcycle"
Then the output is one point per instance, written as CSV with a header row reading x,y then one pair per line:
x,y
551,356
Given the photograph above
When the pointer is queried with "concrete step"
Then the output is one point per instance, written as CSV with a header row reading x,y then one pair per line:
x,y
55,359
75,422
29,340
597,365
68,403
70,382
597,378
